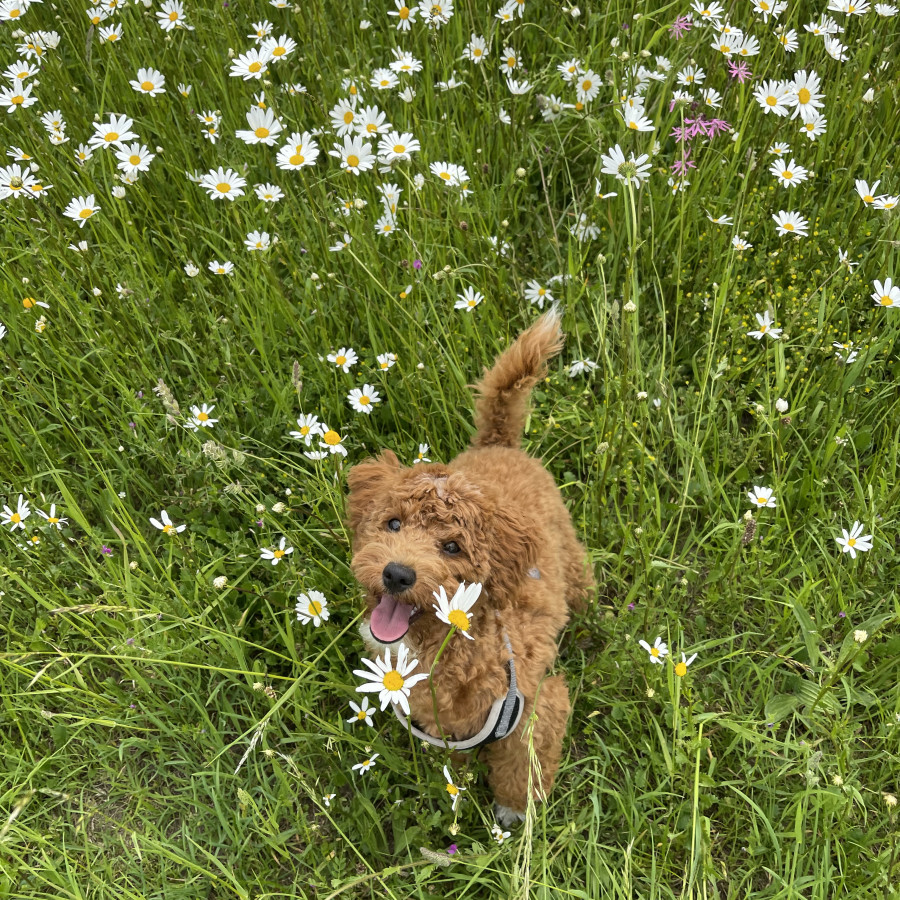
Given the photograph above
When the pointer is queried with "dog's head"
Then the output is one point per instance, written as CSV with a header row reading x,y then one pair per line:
x,y
415,529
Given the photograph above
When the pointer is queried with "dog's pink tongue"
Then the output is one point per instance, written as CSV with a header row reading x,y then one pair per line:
x,y
390,619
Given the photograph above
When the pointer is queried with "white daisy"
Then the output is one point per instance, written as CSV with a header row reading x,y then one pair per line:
x,y
278,554
456,610
312,607
166,525
854,541
657,651
393,684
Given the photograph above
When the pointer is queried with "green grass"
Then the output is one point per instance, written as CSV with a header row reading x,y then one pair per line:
x,y
132,688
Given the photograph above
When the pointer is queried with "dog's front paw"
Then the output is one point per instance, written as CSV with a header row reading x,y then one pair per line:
x,y
507,816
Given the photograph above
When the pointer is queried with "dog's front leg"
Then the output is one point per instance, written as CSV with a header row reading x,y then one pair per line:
x,y
529,755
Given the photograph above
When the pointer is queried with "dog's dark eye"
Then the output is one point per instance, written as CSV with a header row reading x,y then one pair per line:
x,y
393,525
451,547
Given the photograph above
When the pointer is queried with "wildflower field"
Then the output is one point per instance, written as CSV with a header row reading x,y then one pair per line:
x,y
249,244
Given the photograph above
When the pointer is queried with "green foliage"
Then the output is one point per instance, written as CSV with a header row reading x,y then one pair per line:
x,y
162,737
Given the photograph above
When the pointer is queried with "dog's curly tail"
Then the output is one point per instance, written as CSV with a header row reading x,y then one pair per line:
x,y
501,397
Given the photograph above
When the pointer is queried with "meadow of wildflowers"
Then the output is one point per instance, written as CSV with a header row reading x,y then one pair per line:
x,y
247,244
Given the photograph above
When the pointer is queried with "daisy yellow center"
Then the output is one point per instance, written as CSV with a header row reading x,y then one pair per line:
x,y
14,13
763,328
809,126
340,360
399,148
804,95
52,520
403,12
383,82
476,51
278,553
725,48
85,213
17,100
788,226
202,416
452,790
113,36
352,160
384,365
680,669
371,128
279,51
332,438
471,302
851,542
787,173
886,300
362,713
445,176
254,66
297,159
763,4
392,680
111,136
654,651
16,518
348,117
147,85
168,529
458,618
173,16
868,198
541,292
35,539
261,132
223,187
23,74
134,159
315,607
772,101
586,85
28,302
851,8
579,106
352,90
760,499
304,430
364,400
633,125
511,61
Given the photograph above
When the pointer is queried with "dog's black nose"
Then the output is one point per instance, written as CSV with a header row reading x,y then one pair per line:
x,y
397,578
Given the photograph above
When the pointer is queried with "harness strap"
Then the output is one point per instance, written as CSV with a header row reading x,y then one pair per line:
x,y
502,719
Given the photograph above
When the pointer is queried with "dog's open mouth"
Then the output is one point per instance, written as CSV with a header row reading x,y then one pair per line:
x,y
391,619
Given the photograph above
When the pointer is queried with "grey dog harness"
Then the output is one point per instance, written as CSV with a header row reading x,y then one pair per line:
x,y
501,721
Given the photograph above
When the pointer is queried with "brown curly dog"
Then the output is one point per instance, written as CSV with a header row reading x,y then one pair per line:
x,y
492,516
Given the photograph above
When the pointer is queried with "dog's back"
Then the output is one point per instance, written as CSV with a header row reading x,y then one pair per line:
x,y
501,397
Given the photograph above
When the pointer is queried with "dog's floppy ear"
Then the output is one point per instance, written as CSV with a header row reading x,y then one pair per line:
x,y
513,551
368,481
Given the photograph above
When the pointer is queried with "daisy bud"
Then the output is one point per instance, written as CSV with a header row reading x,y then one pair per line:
x,y
749,529
781,405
